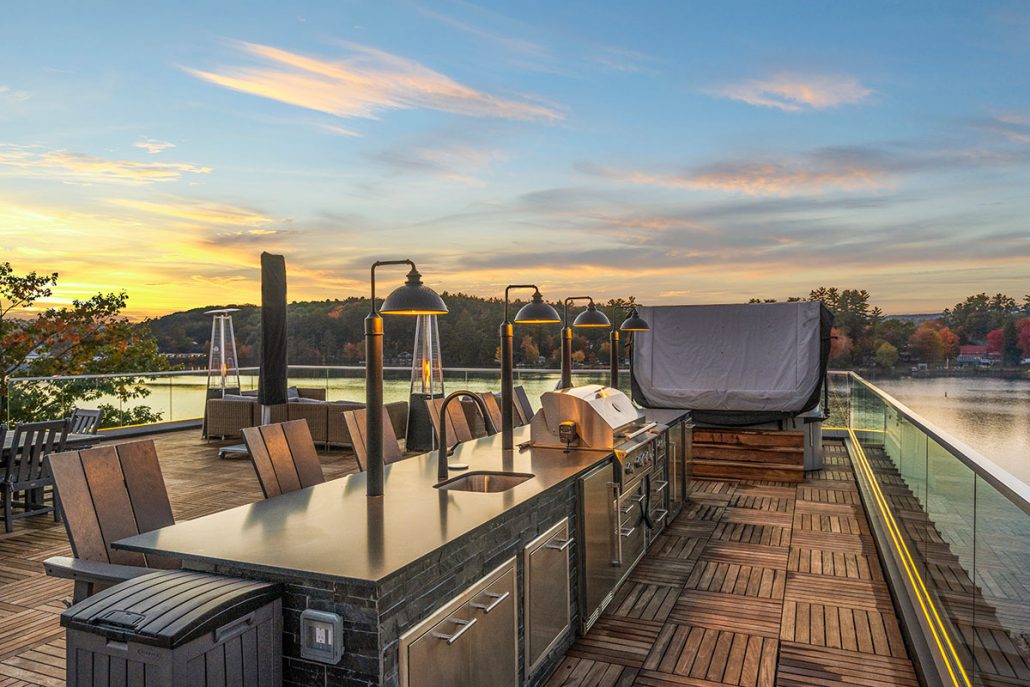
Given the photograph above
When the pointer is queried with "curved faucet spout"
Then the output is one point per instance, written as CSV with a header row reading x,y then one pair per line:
x,y
441,470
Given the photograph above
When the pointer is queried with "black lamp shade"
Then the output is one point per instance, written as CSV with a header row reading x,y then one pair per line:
x,y
635,323
537,311
591,317
413,298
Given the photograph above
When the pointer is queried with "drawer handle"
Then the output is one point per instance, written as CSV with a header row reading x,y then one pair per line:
x,y
464,626
497,599
627,531
561,547
626,509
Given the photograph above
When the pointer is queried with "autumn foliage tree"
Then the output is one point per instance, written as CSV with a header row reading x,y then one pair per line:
x,y
88,337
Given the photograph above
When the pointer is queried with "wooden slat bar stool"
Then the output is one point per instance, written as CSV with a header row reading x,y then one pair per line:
x,y
481,425
458,429
106,494
355,421
284,457
523,408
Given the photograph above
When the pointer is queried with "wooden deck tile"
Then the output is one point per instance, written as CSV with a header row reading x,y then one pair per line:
x,y
578,672
726,612
710,657
742,580
802,665
612,639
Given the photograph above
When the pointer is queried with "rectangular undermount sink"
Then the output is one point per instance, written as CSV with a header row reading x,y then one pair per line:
x,y
485,482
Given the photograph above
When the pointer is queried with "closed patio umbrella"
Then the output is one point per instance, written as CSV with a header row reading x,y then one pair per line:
x,y
272,375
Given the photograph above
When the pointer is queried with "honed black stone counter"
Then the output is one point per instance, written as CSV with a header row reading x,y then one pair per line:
x,y
333,531
385,564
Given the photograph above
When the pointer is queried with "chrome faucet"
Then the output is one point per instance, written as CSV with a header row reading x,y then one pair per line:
x,y
441,471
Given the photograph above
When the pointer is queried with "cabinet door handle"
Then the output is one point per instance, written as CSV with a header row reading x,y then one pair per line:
x,y
660,514
627,531
562,546
497,599
660,485
464,626
625,510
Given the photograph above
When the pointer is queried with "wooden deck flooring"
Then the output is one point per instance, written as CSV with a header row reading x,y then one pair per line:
x,y
31,638
758,584
754,584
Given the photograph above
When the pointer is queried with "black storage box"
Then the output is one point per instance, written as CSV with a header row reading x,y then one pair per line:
x,y
173,628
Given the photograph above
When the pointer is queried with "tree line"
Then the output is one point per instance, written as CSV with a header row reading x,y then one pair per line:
x,y
863,336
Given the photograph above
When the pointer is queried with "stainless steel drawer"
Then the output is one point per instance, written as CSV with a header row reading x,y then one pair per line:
x,y
547,592
471,640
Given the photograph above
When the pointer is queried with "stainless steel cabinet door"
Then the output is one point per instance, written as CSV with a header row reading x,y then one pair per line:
x,y
495,649
598,544
547,591
442,656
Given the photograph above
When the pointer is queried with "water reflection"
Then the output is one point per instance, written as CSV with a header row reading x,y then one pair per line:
x,y
991,415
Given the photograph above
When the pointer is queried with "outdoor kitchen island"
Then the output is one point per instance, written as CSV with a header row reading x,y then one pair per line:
x,y
412,573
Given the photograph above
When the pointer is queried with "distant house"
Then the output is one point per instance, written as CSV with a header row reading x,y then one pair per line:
x,y
975,356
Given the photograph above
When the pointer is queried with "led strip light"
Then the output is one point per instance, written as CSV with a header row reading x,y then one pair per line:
x,y
922,595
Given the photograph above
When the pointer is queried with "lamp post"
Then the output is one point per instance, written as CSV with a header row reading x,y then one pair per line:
x,y
412,298
633,323
534,312
591,317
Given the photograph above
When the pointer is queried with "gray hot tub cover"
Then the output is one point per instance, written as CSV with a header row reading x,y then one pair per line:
x,y
733,364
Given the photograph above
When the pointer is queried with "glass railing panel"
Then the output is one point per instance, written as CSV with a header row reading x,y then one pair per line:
x,y
1001,638
948,552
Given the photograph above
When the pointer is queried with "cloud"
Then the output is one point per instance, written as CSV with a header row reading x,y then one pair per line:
x,y
454,162
63,164
363,84
340,131
814,174
152,145
12,95
797,92
1012,126
195,211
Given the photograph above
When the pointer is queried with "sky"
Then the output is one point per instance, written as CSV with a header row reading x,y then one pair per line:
x,y
678,152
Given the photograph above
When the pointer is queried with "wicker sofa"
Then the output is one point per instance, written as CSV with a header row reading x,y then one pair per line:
x,y
227,417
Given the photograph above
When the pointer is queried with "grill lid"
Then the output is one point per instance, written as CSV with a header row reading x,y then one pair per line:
x,y
168,608
599,412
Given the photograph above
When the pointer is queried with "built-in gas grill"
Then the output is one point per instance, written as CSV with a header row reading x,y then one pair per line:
x,y
598,418
618,509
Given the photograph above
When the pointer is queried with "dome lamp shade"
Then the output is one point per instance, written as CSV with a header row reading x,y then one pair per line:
x,y
591,317
537,311
635,323
413,298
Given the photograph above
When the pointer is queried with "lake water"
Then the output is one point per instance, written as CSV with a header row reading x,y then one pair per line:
x,y
991,415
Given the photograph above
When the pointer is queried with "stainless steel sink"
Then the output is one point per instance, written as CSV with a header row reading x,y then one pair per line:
x,y
485,482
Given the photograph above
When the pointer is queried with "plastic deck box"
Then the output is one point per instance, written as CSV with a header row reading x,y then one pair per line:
x,y
174,628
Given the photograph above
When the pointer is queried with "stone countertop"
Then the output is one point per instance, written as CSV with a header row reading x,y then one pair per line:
x,y
333,531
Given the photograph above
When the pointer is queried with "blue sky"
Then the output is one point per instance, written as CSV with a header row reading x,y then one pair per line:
x,y
678,152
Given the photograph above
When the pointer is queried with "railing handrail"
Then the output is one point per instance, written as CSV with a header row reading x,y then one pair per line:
x,y
998,477
352,368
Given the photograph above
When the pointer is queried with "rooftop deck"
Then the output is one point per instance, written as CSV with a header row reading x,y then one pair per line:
x,y
756,583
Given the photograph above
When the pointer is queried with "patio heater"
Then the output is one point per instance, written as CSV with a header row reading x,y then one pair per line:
x,y
223,366
426,383
535,312
412,298
633,323
589,318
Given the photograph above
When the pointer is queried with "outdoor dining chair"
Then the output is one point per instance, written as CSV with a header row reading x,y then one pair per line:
x,y
26,472
284,456
86,421
106,494
355,421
